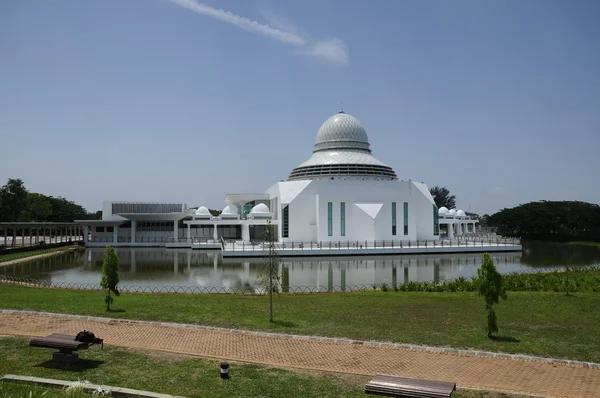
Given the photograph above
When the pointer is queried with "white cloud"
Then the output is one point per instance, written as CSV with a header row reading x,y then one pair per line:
x,y
333,50
280,22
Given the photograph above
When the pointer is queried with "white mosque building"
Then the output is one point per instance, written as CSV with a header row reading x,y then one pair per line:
x,y
342,193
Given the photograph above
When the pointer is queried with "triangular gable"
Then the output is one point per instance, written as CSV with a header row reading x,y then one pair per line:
x,y
372,209
424,190
289,190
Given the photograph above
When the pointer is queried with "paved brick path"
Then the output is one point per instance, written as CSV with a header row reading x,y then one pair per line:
x,y
511,375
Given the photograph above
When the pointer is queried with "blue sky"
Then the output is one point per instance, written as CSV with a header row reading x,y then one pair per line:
x,y
183,100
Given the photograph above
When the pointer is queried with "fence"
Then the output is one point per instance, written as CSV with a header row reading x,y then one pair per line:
x,y
383,244
260,290
252,290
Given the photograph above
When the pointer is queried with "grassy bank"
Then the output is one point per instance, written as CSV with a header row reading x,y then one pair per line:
x,y
16,256
585,243
536,323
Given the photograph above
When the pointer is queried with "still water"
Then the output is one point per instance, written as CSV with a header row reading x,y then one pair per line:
x,y
193,268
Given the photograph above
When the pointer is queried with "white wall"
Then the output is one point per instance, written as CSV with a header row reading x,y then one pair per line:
x,y
308,210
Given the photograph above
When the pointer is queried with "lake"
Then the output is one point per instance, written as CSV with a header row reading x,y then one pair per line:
x,y
159,267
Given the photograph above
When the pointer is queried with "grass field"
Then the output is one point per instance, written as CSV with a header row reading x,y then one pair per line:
x,y
16,256
176,374
536,323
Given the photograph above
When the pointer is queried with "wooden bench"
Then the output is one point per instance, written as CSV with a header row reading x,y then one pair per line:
x,y
64,343
396,386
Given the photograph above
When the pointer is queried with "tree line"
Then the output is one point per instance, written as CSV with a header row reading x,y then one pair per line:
x,y
557,221
18,204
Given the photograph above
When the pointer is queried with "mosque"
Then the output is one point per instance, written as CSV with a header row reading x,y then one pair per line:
x,y
341,193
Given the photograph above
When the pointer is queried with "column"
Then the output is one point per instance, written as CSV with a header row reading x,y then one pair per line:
x,y
216,233
246,232
30,236
450,231
133,261
5,236
133,230
189,234
115,235
176,263
176,230
86,234
474,228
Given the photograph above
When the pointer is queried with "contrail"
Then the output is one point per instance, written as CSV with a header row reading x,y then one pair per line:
x,y
241,22
330,49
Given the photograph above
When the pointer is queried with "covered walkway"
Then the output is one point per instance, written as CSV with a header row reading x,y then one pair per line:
x,y
18,234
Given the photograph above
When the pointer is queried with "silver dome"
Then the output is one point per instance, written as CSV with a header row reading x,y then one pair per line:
x,y
342,131
341,150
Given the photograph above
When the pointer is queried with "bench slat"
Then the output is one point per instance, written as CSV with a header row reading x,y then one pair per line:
x,y
396,386
59,341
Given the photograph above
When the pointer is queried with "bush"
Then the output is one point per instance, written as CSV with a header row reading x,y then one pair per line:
x,y
569,280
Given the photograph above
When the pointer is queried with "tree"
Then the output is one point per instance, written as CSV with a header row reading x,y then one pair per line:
x,y
270,277
38,207
110,275
550,220
492,289
13,200
442,197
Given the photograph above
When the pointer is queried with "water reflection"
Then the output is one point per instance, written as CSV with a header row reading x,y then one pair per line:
x,y
162,267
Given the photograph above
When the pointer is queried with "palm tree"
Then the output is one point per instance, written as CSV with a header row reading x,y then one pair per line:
x,y
442,197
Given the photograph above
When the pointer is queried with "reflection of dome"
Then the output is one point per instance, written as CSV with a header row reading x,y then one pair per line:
x,y
452,212
230,209
260,208
342,149
442,211
202,211
460,213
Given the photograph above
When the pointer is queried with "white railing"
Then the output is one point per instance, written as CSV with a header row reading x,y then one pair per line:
x,y
465,241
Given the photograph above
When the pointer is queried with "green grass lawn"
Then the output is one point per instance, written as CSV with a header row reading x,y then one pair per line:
x,y
585,243
16,256
536,323
175,374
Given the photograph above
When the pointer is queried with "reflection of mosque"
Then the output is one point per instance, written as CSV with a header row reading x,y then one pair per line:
x,y
209,269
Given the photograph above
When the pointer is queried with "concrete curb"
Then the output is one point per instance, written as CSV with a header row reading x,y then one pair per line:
x,y
414,347
88,387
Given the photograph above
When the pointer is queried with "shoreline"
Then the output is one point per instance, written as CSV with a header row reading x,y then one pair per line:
x,y
36,257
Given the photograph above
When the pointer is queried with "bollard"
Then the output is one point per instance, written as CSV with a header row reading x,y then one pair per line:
x,y
224,370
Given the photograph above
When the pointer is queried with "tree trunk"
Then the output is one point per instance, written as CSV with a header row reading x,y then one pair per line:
x,y
108,301
270,297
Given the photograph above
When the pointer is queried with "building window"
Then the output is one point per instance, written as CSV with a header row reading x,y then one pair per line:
x,y
343,219
330,218
405,218
110,229
99,229
285,228
436,221
247,207
394,218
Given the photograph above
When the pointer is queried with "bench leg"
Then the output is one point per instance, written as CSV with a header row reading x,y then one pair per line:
x,y
68,357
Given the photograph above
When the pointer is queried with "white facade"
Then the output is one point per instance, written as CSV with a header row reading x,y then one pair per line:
x,y
342,193
360,210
